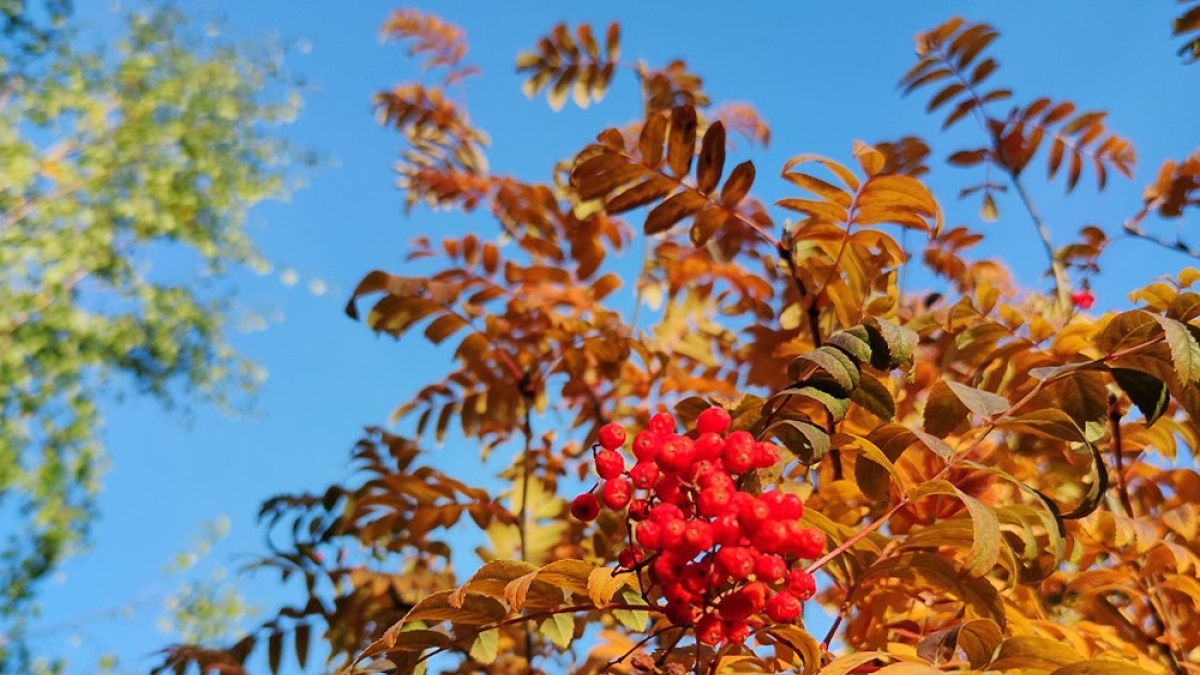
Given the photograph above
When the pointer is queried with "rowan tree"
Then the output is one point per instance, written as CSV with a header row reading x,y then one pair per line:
x,y
986,477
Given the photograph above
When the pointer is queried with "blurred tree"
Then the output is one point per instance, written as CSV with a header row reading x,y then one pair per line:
x,y
31,29
110,164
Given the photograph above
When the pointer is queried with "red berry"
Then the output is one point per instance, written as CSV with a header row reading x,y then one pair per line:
x,y
765,455
649,534
672,534
644,475
712,502
680,613
639,509
668,567
737,606
752,513
783,505
713,421
671,490
710,630
585,507
710,447
612,436
717,479
646,445
662,423
609,464
739,452
769,568
736,632
800,584
726,531
698,535
695,577
1083,299
810,543
772,537
661,513
783,607
677,453
630,557
736,561
616,493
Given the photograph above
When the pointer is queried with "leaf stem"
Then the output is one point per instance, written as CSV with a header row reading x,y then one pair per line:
x,y
1062,283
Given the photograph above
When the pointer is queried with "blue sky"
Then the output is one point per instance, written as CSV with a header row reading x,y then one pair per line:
x,y
823,74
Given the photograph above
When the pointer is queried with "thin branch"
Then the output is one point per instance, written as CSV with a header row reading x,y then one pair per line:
x,y
1114,425
1062,284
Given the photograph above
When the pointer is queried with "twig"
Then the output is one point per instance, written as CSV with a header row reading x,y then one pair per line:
x,y
1062,283
640,643
1114,425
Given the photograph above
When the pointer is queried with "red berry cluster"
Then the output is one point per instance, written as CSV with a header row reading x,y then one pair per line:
x,y
722,557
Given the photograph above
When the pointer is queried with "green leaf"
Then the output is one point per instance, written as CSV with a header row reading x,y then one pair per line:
x,y
855,342
633,619
560,628
892,346
835,363
804,439
1185,351
485,646
1147,392
874,396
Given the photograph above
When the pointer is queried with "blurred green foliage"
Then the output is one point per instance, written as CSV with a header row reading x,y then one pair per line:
x,y
125,180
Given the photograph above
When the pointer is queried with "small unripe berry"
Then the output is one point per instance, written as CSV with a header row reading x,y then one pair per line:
x,y
713,421
662,423
616,493
585,507
783,607
609,464
612,436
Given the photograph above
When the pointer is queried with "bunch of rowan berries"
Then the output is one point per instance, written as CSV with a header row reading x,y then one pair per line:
x,y
721,556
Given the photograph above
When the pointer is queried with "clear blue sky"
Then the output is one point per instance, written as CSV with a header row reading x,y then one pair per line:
x,y
823,74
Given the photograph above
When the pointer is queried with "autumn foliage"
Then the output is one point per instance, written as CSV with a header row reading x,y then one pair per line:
x,y
981,477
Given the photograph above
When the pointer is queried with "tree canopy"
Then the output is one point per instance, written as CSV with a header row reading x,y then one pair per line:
x,y
125,178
